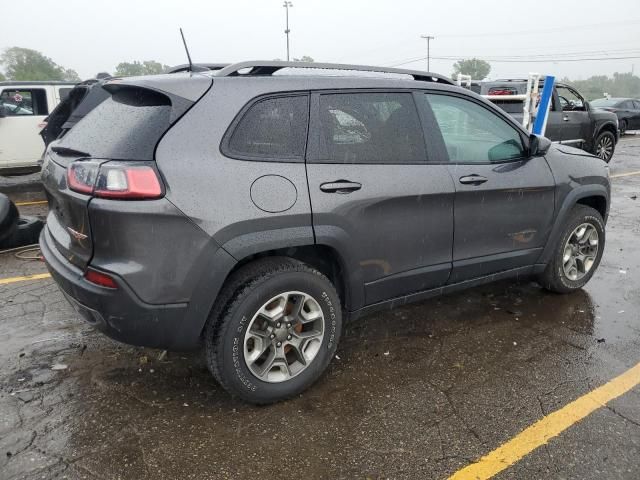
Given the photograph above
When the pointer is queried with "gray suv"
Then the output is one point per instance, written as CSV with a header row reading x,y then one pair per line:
x,y
257,208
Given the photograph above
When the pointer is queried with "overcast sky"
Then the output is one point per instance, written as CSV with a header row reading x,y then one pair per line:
x,y
95,36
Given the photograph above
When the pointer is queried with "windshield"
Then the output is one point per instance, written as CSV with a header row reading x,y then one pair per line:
x,y
604,102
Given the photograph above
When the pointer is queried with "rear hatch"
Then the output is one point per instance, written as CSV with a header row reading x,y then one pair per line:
x,y
125,128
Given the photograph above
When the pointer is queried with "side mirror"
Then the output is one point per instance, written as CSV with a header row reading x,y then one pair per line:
x,y
538,145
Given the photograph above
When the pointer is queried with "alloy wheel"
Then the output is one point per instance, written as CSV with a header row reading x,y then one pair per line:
x,y
580,251
604,149
284,337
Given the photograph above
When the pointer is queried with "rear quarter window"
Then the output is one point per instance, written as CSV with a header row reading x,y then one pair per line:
x,y
272,129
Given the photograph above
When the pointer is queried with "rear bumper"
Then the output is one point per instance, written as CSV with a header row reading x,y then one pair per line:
x,y
119,313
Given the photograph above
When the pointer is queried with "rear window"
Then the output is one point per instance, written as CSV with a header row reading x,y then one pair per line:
x,y
604,102
510,106
126,126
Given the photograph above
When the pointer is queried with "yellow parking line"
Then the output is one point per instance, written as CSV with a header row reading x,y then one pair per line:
x,y
36,202
548,427
38,276
628,174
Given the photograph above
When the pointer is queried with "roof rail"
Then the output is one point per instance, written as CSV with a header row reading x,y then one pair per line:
x,y
268,68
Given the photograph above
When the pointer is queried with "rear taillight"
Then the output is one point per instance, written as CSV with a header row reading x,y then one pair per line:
x,y
118,180
503,91
99,278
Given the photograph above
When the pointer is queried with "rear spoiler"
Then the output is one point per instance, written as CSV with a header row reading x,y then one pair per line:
x,y
182,91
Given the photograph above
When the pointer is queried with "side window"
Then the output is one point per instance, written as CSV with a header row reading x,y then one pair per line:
x,y
472,133
636,104
570,100
628,105
380,128
274,128
17,102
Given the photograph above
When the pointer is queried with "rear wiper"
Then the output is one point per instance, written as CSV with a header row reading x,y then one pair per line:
x,y
69,152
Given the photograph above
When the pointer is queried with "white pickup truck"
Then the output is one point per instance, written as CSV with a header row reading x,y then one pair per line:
x,y
23,108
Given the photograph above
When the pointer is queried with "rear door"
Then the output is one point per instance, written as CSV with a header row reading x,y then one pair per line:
x,y
374,195
24,108
504,201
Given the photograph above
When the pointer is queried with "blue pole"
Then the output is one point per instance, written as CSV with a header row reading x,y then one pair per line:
x,y
540,124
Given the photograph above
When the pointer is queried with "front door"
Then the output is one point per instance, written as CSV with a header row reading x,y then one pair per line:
x,y
577,124
23,110
374,196
504,201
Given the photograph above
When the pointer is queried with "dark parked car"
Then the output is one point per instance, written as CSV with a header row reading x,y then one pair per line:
x,y
626,109
572,120
255,213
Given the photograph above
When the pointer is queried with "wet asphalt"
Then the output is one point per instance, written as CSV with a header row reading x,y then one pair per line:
x,y
418,392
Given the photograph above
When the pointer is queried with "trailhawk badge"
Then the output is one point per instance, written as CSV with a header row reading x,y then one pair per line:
x,y
77,235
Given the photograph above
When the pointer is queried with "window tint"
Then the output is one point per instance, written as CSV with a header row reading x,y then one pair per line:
x,y
126,126
274,128
370,128
16,102
472,133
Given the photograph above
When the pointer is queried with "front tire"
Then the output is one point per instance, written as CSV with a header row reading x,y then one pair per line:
x,y
604,146
577,253
273,331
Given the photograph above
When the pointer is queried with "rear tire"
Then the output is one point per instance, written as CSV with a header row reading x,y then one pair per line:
x,y
623,127
577,253
258,347
605,146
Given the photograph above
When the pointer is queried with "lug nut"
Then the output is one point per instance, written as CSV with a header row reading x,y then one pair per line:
x,y
288,325
279,344
278,325
272,336
288,337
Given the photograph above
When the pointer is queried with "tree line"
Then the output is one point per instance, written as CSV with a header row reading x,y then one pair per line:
x,y
25,64
29,65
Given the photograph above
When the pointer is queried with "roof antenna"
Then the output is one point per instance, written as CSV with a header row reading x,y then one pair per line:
x,y
187,50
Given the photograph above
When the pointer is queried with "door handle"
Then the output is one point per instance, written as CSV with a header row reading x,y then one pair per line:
x,y
340,186
565,118
473,179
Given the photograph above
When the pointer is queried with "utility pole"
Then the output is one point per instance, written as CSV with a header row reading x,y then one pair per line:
x,y
428,38
286,5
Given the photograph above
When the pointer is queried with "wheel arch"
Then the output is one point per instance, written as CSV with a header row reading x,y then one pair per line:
x,y
594,196
326,259
608,127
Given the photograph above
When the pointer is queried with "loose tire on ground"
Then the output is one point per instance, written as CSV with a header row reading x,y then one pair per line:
x,y
236,309
26,232
555,277
8,218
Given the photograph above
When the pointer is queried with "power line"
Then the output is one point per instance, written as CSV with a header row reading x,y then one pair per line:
x,y
543,30
543,60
